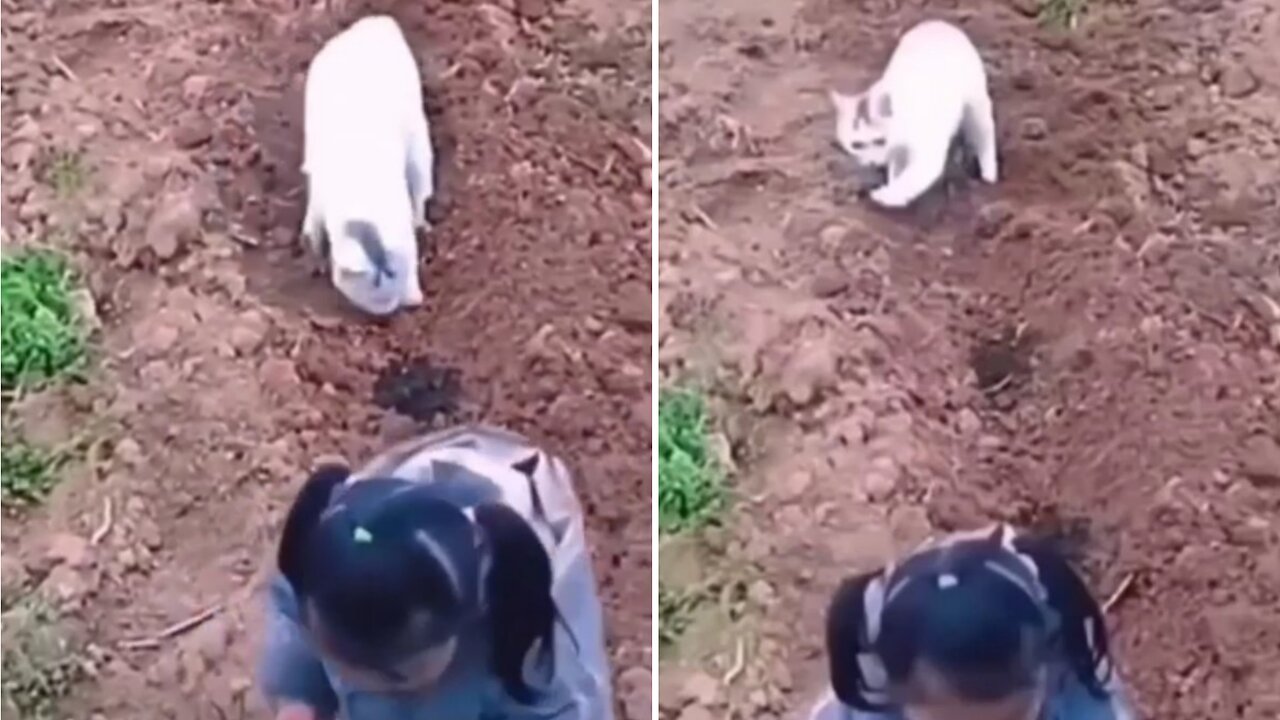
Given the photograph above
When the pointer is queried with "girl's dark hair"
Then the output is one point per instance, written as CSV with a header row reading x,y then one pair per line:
x,y
380,549
383,551
1069,596
847,639
522,611
973,627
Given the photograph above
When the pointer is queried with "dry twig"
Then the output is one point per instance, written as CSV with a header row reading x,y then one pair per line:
x,y
173,630
101,533
1121,590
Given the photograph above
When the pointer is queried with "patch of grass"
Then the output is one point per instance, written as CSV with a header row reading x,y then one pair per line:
x,y
66,174
1062,14
27,473
40,662
691,489
42,335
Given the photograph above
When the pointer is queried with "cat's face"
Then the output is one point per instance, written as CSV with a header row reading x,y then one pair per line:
x,y
374,287
862,126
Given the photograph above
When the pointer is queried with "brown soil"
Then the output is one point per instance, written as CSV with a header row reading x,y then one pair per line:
x,y
1090,346
227,370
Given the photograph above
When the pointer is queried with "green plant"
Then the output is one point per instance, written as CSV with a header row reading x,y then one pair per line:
x,y
39,660
41,333
691,488
1061,13
27,473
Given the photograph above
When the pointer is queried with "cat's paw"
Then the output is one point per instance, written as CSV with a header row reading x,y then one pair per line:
x,y
413,298
988,173
889,197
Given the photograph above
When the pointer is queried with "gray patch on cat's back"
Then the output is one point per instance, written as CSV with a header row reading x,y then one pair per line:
x,y
371,242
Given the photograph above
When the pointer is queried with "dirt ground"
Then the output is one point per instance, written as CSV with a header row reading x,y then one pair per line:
x,y
1090,346
226,371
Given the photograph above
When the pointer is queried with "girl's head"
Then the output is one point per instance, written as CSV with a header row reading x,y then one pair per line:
x,y
388,576
964,629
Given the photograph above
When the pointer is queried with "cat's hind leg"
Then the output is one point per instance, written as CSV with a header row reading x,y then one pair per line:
x,y
312,229
419,172
926,163
979,128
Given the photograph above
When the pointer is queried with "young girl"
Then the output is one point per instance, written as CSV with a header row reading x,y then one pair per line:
x,y
986,625
447,579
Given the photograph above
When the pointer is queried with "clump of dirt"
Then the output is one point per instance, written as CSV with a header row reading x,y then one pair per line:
x,y
228,369
1078,349
418,389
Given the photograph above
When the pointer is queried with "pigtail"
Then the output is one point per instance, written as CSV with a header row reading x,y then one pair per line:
x,y
518,589
304,515
1089,657
847,640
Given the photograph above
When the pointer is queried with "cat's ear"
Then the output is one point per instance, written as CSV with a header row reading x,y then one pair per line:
x,y
310,504
841,101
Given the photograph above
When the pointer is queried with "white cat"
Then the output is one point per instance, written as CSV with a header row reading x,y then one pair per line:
x,y
368,163
934,87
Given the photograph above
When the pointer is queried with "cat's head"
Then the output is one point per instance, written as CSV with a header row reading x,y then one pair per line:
x,y
862,125
364,271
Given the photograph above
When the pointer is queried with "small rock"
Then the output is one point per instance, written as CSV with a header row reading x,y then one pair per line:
x,y
635,309
795,485
829,283
149,534
68,585
810,370
722,449
20,155
87,308
1254,532
1238,81
1035,128
14,576
175,222
128,451
761,593
1028,8
394,427
192,131
532,9
878,485
278,374
195,86
1119,209
248,334
992,218
1260,461
635,688
695,712
68,549
1197,147
968,422
910,525
701,690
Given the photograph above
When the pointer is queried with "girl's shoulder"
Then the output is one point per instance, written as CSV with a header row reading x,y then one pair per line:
x,y
1072,701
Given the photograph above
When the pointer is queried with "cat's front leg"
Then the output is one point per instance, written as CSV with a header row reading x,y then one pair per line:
x,y
920,171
